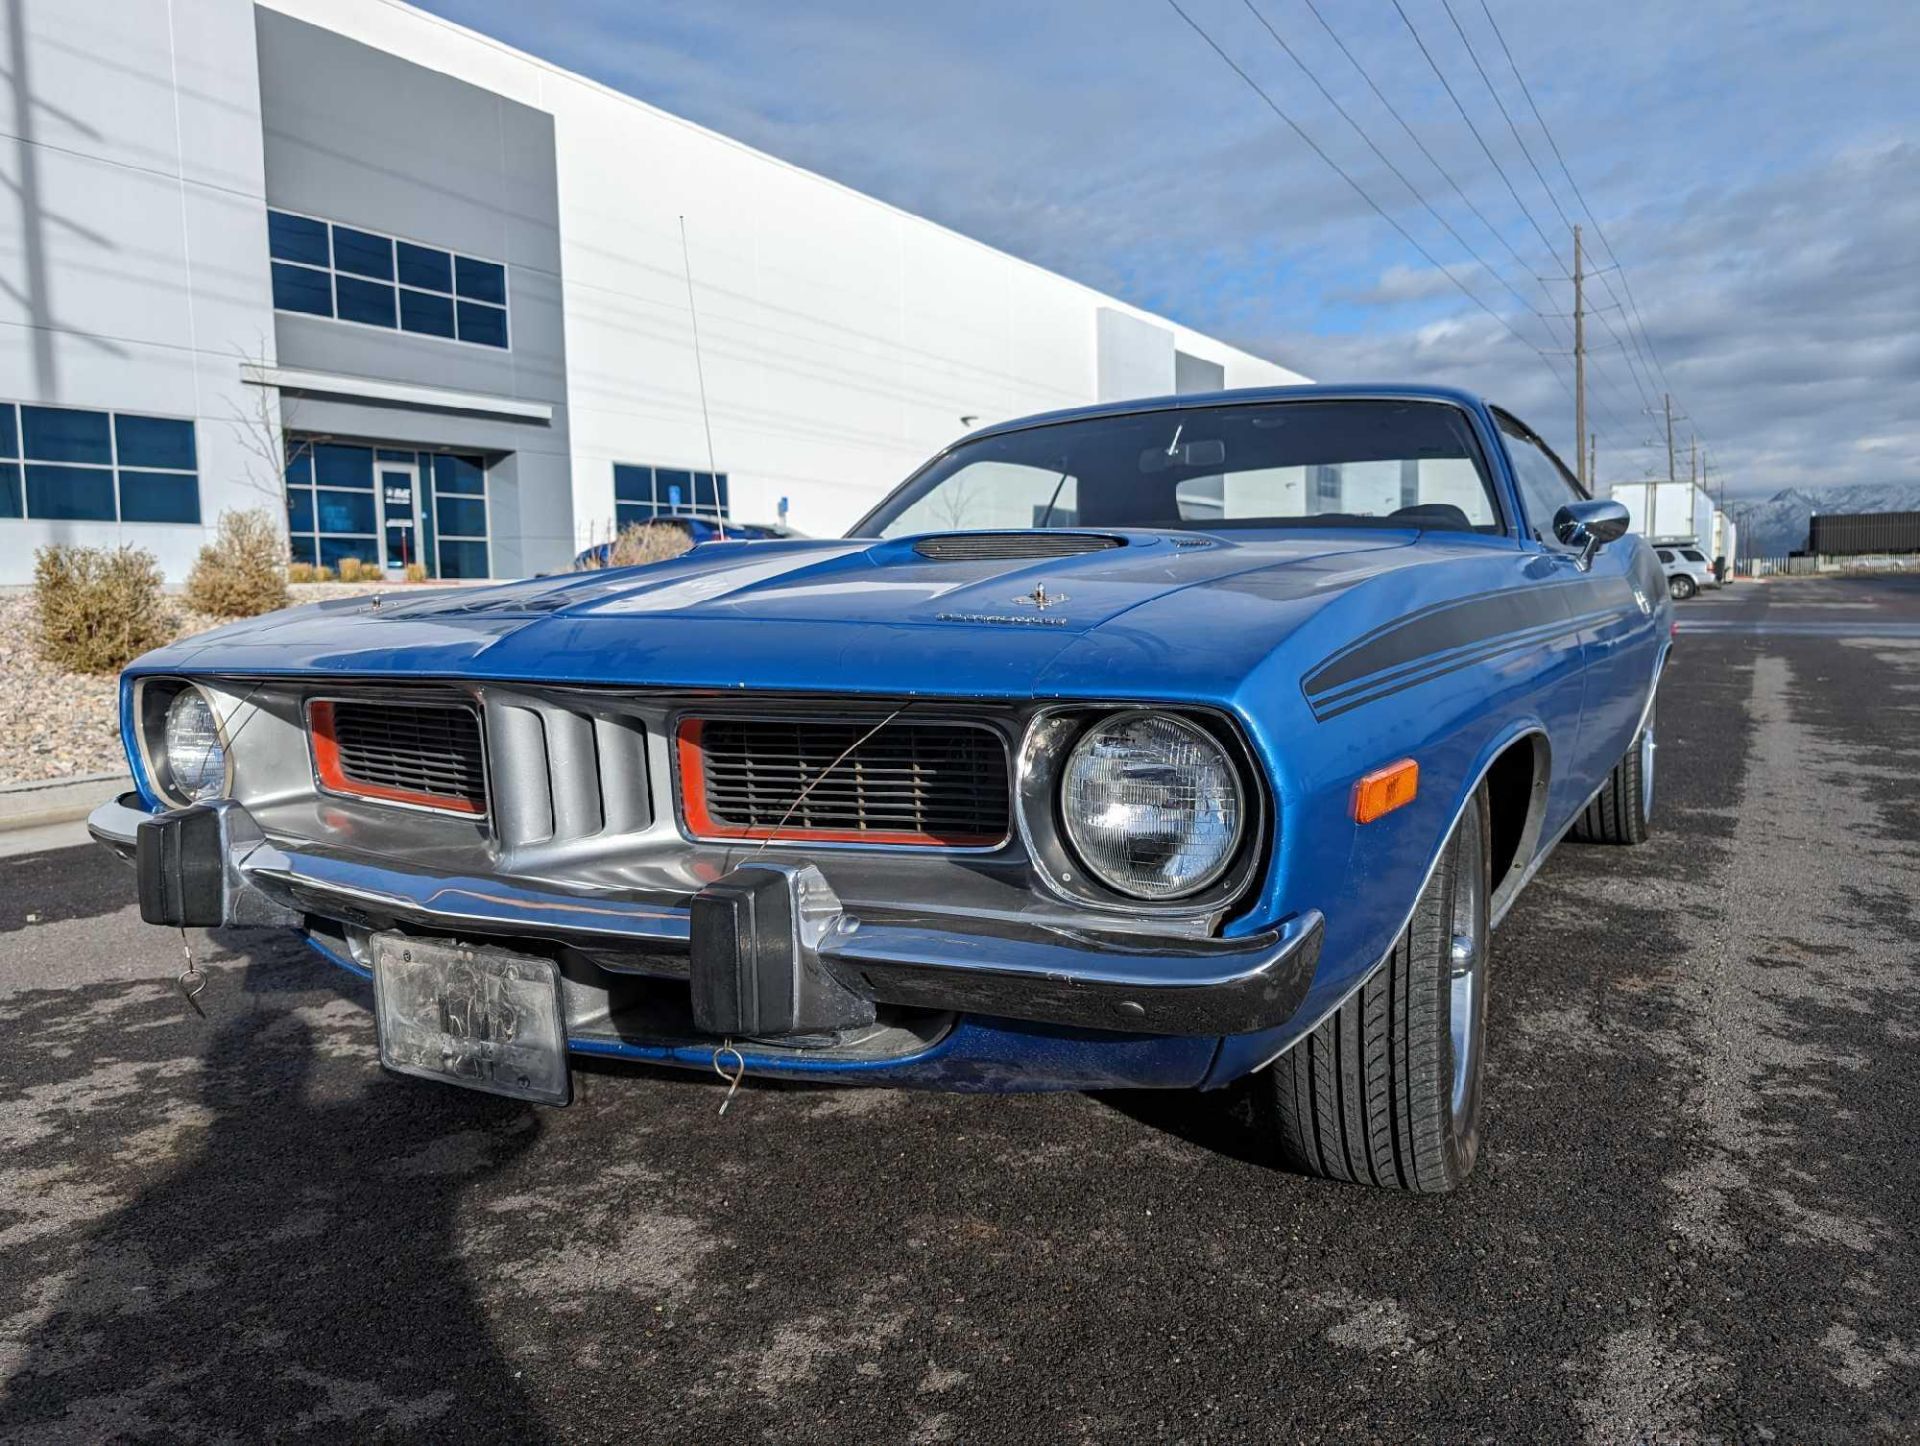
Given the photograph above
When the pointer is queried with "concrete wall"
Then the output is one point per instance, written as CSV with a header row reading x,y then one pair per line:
x,y
132,232
843,340
356,135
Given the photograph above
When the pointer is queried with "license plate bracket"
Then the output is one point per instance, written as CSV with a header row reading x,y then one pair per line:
x,y
471,1015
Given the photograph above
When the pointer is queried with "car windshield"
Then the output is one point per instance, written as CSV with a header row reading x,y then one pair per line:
x,y
1269,464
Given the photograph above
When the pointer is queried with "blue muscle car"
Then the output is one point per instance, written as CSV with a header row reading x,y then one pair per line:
x,y
1161,743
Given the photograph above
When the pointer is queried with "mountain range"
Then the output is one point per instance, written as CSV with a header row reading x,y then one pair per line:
x,y
1778,525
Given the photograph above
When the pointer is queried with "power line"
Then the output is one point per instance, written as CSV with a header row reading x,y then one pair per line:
x,y
1527,152
1458,105
1487,149
1539,175
1386,161
1492,230
1505,114
1580,198
1458,190
1358,189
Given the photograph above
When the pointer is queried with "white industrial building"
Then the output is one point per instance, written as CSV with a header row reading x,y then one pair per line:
x,y
430,294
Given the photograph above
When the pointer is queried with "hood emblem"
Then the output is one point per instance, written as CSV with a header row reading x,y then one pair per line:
x,y
1042,599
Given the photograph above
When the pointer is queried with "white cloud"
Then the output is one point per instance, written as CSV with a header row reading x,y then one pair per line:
x,y
1752,161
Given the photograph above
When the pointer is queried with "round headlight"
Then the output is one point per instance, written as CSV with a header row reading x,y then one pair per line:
x,y
196,758
1152,805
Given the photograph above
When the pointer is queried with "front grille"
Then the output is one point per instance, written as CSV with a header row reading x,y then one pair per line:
x,y
992,546
417,753
918,783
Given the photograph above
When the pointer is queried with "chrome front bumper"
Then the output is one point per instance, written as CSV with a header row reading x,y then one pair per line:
x,y
1081,977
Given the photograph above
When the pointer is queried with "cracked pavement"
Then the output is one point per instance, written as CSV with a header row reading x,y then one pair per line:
x,y
1694,1218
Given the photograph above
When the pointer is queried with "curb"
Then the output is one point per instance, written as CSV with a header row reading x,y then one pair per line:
x,y
57,800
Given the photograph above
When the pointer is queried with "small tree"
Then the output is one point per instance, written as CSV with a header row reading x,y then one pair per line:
x,y
98,608
639,543
243,571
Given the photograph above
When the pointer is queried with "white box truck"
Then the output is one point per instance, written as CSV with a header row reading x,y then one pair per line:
x,y
1724,541
1667,511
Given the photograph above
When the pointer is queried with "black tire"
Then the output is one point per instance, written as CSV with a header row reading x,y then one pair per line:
x,y
1680,587
1622,811
1376,1095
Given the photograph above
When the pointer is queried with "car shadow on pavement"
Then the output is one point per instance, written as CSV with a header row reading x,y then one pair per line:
x,y
1226,1122
301,1210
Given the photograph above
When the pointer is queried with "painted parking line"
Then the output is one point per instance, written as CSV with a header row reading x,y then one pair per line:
x,y
1861,628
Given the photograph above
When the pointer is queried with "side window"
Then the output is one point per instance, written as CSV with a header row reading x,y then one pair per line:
x,y
1691,555
1665,556
1545,486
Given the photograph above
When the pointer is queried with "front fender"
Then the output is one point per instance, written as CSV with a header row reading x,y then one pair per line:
x,y
1453,718
1374,883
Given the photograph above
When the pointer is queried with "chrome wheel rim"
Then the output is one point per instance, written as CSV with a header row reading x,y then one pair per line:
x,y
1647,747
1467,963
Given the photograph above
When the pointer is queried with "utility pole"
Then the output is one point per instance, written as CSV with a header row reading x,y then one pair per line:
x,y
1693,460
1580,364
1670,473
1593,467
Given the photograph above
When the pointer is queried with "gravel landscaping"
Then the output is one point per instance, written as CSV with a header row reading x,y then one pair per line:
x,y
56,724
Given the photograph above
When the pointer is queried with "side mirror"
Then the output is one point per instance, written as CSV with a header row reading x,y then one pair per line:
x,y
1590,526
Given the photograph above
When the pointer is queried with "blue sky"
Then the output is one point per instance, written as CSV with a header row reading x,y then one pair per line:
x,y
1755,165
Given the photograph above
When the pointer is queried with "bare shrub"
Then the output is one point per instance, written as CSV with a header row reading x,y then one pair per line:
x,y
302,572
355,569
98,608
639,543
416,572
243,571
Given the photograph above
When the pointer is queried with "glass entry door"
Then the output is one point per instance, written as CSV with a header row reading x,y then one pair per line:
x,y
400,512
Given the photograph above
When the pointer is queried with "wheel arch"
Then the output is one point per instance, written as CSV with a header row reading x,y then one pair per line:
x,y
1528,735
1517,781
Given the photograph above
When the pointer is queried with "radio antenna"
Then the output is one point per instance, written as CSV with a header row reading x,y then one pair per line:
x,y
700,372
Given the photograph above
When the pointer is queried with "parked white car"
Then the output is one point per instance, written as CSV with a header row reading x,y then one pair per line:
x,y
1687,570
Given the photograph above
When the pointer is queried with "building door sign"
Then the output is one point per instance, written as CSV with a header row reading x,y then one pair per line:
x,y
400,510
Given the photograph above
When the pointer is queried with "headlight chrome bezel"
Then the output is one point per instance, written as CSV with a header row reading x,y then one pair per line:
x,y
154,699
1051,737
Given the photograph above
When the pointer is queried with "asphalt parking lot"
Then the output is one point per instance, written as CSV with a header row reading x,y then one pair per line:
x,y
1694,1219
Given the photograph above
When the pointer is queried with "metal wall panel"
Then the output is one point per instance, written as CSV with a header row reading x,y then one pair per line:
x,y
1841,534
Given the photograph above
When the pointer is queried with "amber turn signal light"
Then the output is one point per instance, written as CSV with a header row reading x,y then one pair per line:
x,y
1385,789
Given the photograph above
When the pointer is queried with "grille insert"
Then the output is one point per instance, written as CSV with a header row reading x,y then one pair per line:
x,y
926,784
989,546
424,754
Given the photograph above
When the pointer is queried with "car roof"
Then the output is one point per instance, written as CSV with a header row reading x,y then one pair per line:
x,y
1313,392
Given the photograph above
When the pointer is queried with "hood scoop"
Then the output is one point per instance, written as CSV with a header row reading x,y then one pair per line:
x,y
998,546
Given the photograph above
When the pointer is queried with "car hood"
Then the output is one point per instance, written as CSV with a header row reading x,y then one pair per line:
x,y
838,616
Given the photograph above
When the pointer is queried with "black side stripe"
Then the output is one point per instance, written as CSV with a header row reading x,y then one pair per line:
x,y
1486,653
1436,663
1444,637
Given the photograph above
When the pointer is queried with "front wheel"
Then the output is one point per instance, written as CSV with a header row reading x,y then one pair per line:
x,y
1680,587
1387,1090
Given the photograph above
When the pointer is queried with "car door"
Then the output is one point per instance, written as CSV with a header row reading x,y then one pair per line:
x,y
1610,596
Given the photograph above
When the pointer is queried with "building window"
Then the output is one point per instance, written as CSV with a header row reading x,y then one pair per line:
x,y
62,464
324,269
643,493
1326,488
388,507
